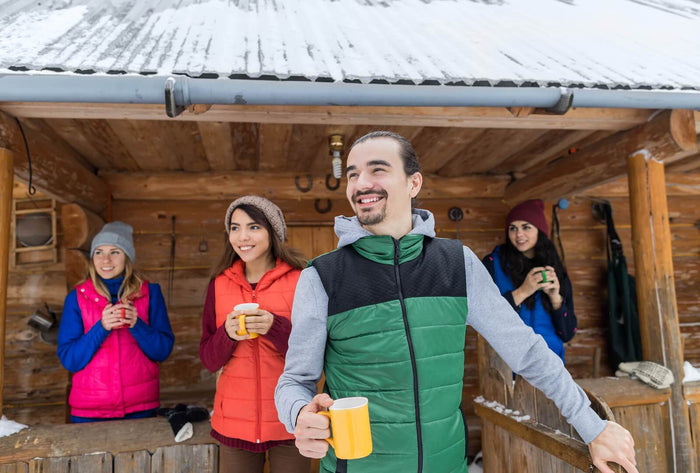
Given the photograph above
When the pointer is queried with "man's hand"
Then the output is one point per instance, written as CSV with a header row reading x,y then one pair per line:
x,y
312,429
614,444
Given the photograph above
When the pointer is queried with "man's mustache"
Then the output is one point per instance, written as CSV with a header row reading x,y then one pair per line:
x,y
359,194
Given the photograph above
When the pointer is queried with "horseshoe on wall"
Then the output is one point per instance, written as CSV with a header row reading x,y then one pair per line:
x,y
304,189
328,182
324,210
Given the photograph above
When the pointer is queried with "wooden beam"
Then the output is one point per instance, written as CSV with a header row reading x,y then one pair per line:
x,y
6,179
56,170
676,185
469,117
656,294
229,185
669,136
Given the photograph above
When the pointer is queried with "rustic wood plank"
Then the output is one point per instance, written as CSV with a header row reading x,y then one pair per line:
x,y
490,148
230,185
676,185
60,175
621,392
71,132
688,164
131,462
143,140
274,151
308,150
695,420
649,425
669,136
216,139
14,468
524,402
108,144
572,451
437,146
186,459
185,143
546,147
470,117
245,142
112,437
92,463
495,444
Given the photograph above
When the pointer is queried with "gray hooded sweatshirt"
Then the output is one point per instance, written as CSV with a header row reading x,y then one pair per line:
x,y
489,314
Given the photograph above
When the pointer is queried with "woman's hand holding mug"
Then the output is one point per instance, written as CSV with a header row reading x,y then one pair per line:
x,y
119,315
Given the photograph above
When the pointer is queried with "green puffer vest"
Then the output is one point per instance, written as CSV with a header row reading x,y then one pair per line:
x,y
396,323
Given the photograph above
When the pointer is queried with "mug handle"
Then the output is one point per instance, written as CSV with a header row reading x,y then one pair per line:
x,y
241,325
328,414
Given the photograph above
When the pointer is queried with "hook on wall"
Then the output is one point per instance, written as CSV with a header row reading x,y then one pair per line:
x,y
328,182
323,210
310,181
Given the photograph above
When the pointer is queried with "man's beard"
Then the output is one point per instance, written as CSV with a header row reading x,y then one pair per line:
x,y
372,218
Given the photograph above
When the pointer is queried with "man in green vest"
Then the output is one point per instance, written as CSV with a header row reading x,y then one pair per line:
x,y
384,317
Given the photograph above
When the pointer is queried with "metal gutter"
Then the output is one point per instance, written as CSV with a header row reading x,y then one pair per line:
x,y
186,91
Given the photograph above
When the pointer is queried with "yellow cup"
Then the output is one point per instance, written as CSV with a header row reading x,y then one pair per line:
x,y
241,318
351,437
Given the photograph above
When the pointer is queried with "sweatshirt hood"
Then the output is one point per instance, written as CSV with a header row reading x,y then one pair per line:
x,y
349,230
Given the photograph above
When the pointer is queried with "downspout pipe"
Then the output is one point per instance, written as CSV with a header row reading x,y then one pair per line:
x,y
186,91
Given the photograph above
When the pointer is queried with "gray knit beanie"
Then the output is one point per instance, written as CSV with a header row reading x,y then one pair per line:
x,y
116,234
269,209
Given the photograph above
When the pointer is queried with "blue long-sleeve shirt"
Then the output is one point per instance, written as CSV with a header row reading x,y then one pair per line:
x,y
76,348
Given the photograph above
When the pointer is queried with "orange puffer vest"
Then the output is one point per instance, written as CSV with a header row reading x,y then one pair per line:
x,y
244,405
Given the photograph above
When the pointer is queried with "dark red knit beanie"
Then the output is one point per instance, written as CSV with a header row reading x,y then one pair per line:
x,y
531,211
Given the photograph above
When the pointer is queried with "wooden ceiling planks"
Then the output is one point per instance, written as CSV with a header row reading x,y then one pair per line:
x,y
71,132
109,145
547,146
244,137
218,145
143,140
274,152
436,146
492,146
185,143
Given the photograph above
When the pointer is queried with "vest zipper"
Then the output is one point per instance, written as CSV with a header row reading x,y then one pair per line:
x,y
419,435
258,400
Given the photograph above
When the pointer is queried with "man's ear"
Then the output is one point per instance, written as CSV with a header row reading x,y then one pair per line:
x,y
416,184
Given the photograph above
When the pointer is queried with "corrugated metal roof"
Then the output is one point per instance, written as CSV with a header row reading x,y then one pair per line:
x,y
590,43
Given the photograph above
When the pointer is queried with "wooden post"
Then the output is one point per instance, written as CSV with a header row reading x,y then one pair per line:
x,y
6,183
656,294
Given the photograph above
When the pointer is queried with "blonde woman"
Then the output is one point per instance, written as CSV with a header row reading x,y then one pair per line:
x,y
114,331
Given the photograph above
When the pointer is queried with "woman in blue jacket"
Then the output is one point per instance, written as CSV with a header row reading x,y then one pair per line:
x,y
113,333
531,276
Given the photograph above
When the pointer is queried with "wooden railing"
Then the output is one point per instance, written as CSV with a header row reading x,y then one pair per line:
x,y
124,446
523,431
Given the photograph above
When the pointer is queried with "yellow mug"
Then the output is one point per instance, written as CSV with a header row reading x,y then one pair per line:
x,y
241,318
351,437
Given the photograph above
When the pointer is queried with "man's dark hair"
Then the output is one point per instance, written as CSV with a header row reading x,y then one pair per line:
x,y
407,153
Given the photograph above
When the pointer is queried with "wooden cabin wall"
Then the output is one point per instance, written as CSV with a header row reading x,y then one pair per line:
x,y
35,383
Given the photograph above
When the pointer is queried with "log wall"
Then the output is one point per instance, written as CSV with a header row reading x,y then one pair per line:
x,y
35,378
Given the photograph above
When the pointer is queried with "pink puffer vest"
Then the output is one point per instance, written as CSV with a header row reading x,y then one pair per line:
x,y
120,378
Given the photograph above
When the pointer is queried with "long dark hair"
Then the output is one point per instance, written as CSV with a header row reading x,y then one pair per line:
x,y
516,265
279,250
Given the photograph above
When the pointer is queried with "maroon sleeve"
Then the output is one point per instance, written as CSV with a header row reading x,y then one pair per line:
x,y
279,333
215,347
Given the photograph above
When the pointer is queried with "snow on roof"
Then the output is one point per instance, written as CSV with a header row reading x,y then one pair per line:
x,y
590,43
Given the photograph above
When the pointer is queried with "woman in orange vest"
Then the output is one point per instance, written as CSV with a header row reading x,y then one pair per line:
x,y
256,267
